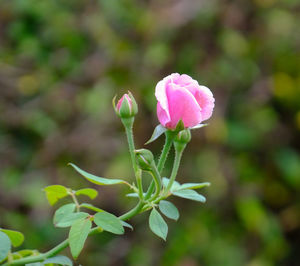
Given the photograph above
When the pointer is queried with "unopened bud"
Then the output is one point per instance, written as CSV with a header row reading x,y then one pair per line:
x,y
126,106
144,159
184,136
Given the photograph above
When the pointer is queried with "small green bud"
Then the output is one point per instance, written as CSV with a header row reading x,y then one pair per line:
x,y
126,106
144,159
184,136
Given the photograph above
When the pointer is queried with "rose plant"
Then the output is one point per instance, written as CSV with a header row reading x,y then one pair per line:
x,y
182,104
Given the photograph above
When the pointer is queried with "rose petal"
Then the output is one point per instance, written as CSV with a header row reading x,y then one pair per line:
x,y
161,96
182,105
184,80
205,99
162,115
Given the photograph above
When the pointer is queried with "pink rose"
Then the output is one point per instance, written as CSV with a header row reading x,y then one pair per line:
x,y
181,97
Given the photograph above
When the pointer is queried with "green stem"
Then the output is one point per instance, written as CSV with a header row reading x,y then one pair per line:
x,y
139,183
162,159
72,193
164,154
42,256
157,181
132,212
179,147
128,123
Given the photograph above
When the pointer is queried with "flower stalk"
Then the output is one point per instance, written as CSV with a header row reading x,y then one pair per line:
x,y
128,124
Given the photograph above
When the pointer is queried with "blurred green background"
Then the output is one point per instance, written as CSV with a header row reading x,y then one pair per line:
x,y
61,63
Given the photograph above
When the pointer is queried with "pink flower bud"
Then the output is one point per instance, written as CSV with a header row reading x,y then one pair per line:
x,y
121,101
126,106
181,98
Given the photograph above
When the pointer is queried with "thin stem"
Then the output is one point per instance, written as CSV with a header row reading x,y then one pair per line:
x,y
136,210
179,147
26,260
129,133
165,151
157,181
139,183
72,193
128,123
162,160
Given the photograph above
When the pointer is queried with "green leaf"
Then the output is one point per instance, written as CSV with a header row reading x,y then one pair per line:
x,y
34,264
158,131
71,218
109,222
194,185
199,126
62,212
169,209
157,224
175,185
133,195
90,192
78,235
127,225
55,192
96,179
189,194
91,207
15,237
60,260
5,246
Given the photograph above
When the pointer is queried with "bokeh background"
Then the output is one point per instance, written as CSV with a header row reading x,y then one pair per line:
x,y
61,63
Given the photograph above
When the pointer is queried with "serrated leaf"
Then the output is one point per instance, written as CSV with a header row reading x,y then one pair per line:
x,y
5,245
96,179
90,192
189,194
175,184
127,225
62,212
77,236
109,222
15,237
60,260
91,207
158,131
55,192
169,209
157,224
199,126
71,218
194,185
